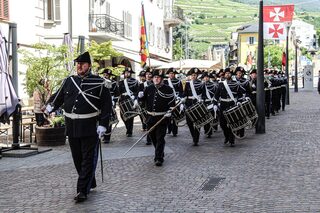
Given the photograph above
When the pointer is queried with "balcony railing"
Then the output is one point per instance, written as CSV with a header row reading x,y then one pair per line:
x,y
106,23
173,17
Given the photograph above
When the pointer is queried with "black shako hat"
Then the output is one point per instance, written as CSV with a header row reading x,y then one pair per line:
x,y
193,70
239,69
84,58
107,72
172,70
253,71
128,69
205,74
157,73
142,74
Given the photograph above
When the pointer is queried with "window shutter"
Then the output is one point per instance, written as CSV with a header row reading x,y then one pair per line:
x,y
108,8
4,9
57,16
129,25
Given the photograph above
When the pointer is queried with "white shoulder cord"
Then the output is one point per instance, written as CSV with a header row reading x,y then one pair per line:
x,y
194,93
171,85
127,88
229,91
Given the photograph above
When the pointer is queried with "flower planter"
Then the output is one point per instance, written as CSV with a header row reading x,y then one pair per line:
x,y
50,136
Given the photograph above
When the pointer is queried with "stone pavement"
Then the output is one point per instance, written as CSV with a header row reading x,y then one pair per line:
x,y
273,172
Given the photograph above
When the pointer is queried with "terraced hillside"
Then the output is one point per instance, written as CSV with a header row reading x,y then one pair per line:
x,y
212,21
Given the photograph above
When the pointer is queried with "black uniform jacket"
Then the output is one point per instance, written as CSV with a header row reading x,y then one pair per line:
x,y
133,85
158,99
177,84
74,102
198,86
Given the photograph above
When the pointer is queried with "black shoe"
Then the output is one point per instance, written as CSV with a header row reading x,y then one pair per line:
x,y
174,135
129,135
232,144
208,136
195,144
226,141
106,141
158,163
148,143
268,117
80,197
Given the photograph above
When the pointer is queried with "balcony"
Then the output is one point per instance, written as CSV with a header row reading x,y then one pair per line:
x,y
173,18
103,27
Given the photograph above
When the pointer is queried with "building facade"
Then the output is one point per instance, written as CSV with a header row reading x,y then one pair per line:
x,y
118,21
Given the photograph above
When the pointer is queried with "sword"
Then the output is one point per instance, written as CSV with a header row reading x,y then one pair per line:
x,y
100,141
154,126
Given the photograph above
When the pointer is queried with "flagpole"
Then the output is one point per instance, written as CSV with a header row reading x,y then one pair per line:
x,y
260,102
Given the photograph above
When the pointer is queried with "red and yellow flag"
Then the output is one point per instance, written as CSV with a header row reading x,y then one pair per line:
x,y
144,49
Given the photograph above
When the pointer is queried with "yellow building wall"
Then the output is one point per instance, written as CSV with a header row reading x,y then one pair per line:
x,y
245,48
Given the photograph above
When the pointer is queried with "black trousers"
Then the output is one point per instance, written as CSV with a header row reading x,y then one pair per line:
x,y
268,102
226,130
108,135
195,132
85,156
172,127
157,136
128,123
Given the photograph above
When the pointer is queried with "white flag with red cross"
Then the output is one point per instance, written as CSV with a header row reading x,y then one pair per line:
x,y
275,19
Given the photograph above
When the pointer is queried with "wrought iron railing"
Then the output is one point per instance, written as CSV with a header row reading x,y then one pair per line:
x,y
106,23
175,13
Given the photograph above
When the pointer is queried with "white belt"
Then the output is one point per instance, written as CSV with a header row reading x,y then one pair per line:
x,y
226,99
191,97
156,113
124,93
81,116
284,85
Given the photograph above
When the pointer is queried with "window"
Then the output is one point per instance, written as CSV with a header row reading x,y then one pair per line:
x,y
159,37
52,9
127,20
4,9
150,31
251,40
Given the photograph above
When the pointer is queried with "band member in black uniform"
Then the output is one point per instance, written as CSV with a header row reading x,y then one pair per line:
x,y
177,87
192,94
284,82
220,76
244,83
226,102
143,84
87,107
158,98
253,86
267,93
275,92
209,90
128,88
114,92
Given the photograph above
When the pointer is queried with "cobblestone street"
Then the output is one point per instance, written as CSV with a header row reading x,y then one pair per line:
x,y
274,172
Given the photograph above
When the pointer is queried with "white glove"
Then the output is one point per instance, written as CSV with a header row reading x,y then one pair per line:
x,y
168,114
113,103
253,86
183,100
140,94
135,104
181,107
247,98
210,106
132,97
49,109
215,108
238,103
101,130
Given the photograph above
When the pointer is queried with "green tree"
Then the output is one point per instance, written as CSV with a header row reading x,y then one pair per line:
x,y
178,52
46,63
101,52
274,54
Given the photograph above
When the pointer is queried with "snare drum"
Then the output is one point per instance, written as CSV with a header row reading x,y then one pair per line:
x,y
143,114
199,115
113,117
178,115
127,110
236,118
251,112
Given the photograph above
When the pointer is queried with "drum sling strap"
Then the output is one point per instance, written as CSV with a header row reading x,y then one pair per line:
x,y
194,93
209,97
127,88
84,95
229,91
171,85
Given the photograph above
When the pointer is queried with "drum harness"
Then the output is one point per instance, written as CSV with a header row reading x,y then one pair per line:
x,y
162,95
129,93
235,101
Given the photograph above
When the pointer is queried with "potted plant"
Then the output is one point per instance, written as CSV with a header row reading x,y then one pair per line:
x,y
45,72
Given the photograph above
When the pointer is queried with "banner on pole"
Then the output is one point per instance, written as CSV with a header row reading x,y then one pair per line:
x,y
275,19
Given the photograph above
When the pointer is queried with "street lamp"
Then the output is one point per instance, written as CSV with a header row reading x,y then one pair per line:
x,y
288,25
296,44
